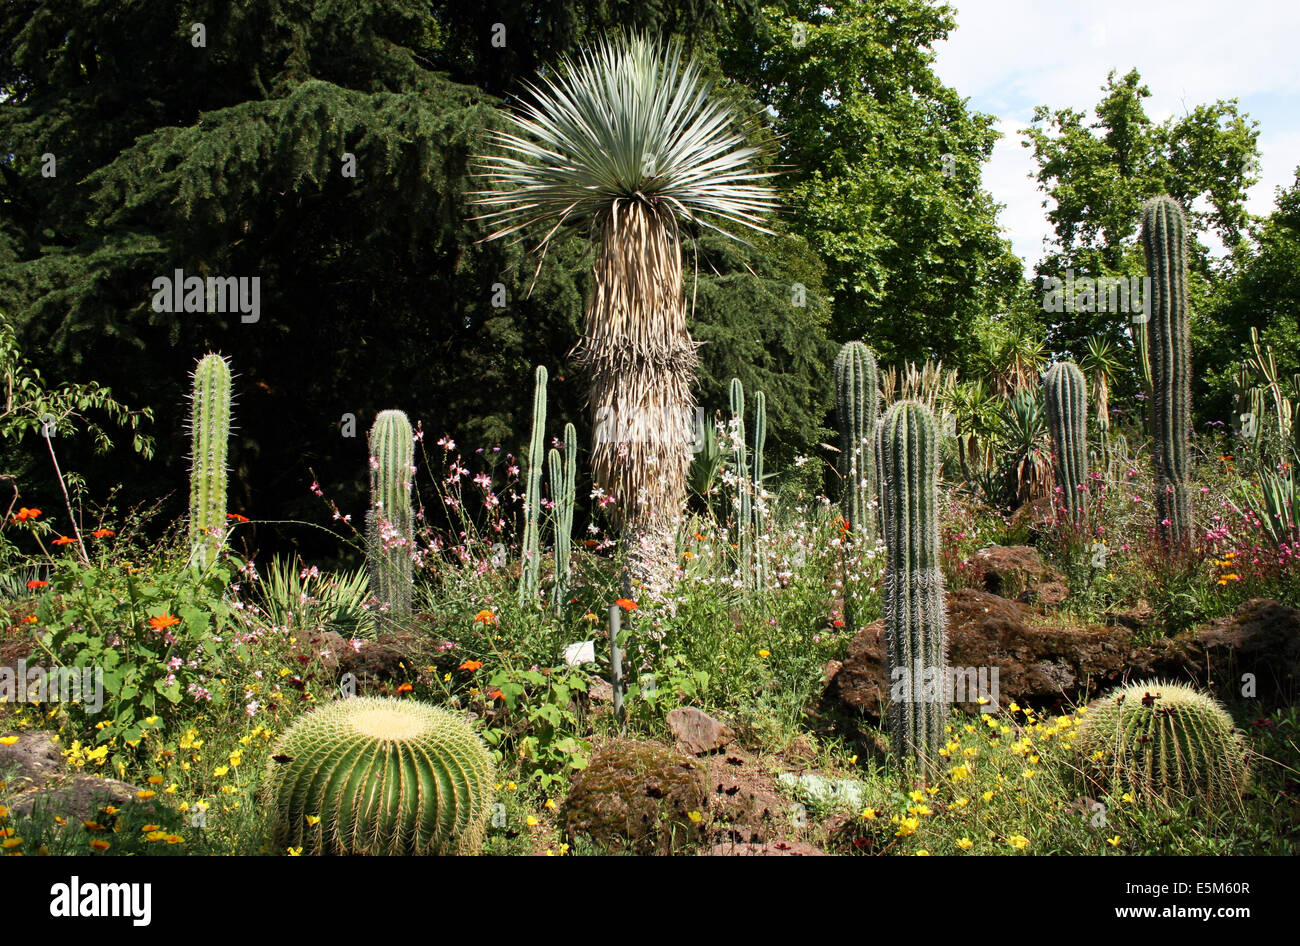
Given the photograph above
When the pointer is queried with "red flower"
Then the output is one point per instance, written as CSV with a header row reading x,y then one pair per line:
x,y
24,514
37,584
471,665
496,695
64,540
404,688
626,604
237,517
102,533
163,622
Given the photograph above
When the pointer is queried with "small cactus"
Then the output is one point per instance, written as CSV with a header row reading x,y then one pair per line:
x,y
379,776
564,475
390,522
1066,399
1163,741
210,437
857,402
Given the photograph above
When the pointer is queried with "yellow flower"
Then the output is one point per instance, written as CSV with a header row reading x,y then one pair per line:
x,y
245,740
1113,842
965,844
550,804
916,796
146,794
1127,797
220,771
175,839
869,814
156,835
988,796
922,853
236,757
961,803
99,845
150,827
171,789
907,826
695,817
959,772
531,821
11,843
1018,841
765,654
971,753
512,786
8,740
155,780
313,820
294,851
920,810
1028,774
3,811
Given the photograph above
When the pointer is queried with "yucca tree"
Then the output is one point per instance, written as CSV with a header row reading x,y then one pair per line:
x,y
627,141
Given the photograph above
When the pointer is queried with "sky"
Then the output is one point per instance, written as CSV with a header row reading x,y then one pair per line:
x,y
1007,56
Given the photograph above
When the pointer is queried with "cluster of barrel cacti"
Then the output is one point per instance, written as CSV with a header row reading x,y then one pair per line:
x,y
749,483
378,776
210,436
390,521
857,403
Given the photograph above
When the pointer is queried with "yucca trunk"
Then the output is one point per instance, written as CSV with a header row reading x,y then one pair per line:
x,y
641,365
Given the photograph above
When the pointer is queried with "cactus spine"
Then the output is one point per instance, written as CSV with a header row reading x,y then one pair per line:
x,y
1066,395
210,437
1164,241
916,624
530,576
564,476
857,402
390,523
379,776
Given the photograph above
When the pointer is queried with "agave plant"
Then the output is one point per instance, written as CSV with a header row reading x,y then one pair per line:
x,y
1028,451
628,141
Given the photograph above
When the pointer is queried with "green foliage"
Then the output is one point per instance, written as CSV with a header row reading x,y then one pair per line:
x,y
302,600
98,615
530,576
1066,400
210,438
383,776
390,521
1164,240
1163,741
544,744
907,446
857,405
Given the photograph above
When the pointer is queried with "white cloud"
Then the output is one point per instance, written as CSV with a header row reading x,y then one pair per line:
x,y
1010,56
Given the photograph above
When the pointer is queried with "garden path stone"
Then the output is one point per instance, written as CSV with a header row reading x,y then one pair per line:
x,y
698,732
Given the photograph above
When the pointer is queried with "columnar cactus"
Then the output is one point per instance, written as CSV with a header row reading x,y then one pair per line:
x,y
857,402
1164,240
383,776
916,623
1162,741
390,522
1066,395
744,485
760,439
530,576
210,437
564,477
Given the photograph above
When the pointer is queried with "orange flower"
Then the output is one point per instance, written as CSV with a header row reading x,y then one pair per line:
x,y
237,517
102,533
163,622
64,540
626,604
100,845
405,688
590,542
471,665
485,617
496,695
34,583
24,514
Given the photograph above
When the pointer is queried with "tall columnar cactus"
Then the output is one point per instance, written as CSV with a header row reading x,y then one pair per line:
x,y
916,624
1066,394
210,437
379,776
760,505
1164,240
1162,741
390,522
530,576
857,402
564,476
744,485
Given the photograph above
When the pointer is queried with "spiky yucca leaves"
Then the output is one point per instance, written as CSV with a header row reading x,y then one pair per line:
x,y
1164,241
629,141
1163,741
384,776
530,575
916,622
210,438
1065,397
857,403
390,522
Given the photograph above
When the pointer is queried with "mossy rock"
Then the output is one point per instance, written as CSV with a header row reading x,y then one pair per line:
x,y
638,796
